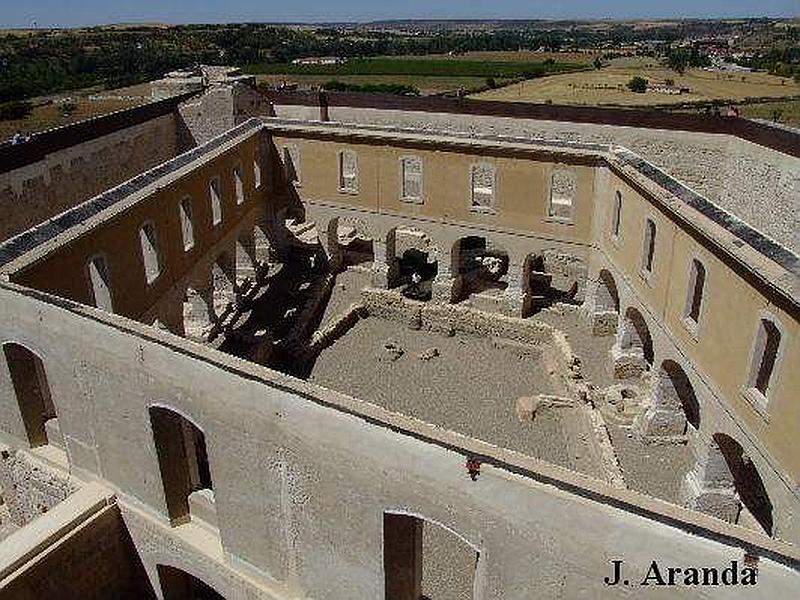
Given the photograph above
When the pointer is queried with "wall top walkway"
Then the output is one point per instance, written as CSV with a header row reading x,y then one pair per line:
x,y
778,138
27,241
14,156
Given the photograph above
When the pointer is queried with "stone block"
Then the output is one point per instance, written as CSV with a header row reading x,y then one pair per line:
x,y
604,323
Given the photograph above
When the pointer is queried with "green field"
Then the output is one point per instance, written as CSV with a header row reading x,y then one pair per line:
x,y
422,68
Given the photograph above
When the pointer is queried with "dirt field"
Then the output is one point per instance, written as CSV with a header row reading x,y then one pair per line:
x,y
607,86
48,110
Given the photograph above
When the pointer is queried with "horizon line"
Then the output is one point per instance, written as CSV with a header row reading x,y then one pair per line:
x,y
165,23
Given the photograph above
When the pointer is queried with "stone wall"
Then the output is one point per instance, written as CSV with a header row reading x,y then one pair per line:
x,y
761,186
294,466
39,190
29,487
220,108
95,562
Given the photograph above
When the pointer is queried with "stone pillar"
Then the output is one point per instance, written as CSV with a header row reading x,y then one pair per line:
x,y
709,487
245,263
603,320
627,353
515,291
329,241
665,418
445,287
384,266
197,313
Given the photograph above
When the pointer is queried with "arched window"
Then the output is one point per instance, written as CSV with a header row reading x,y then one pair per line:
x,y
150,258
183,461
187,223
99,278
215,193
616,215
238,184
694,296
765,356
649,246
348,171
421,558
33,395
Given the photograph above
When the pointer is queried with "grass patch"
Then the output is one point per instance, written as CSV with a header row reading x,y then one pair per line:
x,y
786,112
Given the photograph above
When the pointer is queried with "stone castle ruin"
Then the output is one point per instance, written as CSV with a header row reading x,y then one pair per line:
x,y
342,347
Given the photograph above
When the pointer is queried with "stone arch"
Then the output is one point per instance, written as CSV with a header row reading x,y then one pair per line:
x,y
177,584
675,409
245,260
737,470
747,482
423,558
605,310
261,245
607,295
415,255
182,459
480,265
34,398
223,281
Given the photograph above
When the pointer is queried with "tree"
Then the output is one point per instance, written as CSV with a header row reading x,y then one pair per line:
x,y
638,85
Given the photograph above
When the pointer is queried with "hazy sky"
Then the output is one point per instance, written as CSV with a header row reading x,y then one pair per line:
x,y
68,13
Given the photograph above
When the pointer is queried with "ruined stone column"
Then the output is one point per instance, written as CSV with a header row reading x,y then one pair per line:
x,y
444,287
709,487
197,313
599,308
665,418
627,353
329,241
384,266
515,291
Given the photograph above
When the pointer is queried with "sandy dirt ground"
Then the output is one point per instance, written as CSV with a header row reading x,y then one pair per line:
x,y
69,107
471,386
608,86
655,470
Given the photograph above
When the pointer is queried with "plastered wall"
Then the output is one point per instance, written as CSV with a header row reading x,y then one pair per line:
x,y
759,185
301,485
64,272
721,347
